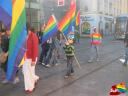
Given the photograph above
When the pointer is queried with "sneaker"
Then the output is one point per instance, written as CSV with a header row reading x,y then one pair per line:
x,y
72,74
17,80
56,64
90,61
43,64
66,76
48,65
5,81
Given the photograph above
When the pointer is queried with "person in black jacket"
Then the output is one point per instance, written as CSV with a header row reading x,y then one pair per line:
x,y
4,47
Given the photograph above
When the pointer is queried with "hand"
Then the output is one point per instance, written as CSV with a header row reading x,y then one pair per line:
x,y
67,43
33,64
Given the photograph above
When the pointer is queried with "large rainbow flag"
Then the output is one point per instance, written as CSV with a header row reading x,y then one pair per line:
x,y
6,12
65,25
50,29
17,44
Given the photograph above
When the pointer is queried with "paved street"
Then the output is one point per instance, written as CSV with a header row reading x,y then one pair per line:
x,y
94,79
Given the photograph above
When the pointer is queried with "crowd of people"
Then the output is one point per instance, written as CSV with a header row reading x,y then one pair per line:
x,y
49,55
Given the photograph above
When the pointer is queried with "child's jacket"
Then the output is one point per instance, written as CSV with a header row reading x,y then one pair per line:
x,y
69,50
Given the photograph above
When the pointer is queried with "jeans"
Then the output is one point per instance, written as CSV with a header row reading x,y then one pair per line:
x,y
94,52
70,65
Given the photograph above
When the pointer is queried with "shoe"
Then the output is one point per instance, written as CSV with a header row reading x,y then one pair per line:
x,y
72,74
66,76
28,91
90,61
48,65
56,64
17,80
43,64
5,81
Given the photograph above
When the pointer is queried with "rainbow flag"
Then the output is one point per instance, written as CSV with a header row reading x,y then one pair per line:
x,y
6,12
65,25
17,44
50,29
121,87
78,18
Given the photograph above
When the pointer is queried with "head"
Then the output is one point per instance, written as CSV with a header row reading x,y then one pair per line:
x,y
95,30
31,29
70,41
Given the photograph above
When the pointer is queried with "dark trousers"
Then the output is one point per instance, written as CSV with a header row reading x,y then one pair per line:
x,y
70,69
4,65
126,55
43,56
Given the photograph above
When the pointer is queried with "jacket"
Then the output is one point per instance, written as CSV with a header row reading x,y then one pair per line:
x,y
32,47
69,50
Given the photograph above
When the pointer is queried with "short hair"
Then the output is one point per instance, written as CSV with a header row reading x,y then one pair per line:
x,y
31,29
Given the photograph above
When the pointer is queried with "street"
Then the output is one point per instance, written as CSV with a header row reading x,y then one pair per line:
x,y
94,79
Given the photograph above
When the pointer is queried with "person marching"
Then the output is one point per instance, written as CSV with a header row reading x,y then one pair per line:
x,y
30,79
96,40
69,51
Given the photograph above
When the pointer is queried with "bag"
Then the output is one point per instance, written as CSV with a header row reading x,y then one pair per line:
x,y
3,57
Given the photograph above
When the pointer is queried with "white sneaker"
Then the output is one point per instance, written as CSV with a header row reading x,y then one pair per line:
x,y
17,80
43,64
48,65
90,61
56,64
5,81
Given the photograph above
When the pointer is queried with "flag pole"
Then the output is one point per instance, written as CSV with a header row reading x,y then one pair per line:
x,y
78,64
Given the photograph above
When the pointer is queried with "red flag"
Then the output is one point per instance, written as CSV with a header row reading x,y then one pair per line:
x,y
61,2
78,18
114,91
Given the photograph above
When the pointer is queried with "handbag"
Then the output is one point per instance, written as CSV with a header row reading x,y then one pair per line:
x,y
3,57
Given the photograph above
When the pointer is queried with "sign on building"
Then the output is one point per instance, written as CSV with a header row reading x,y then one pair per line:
x,y
61,2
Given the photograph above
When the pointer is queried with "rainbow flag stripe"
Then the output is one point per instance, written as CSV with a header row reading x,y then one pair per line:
x,y
17,44
68,20
6,12
121,87
78,18
96,38
50,29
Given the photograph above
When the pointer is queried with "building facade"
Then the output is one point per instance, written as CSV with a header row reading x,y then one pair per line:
x,y
33,13
101,13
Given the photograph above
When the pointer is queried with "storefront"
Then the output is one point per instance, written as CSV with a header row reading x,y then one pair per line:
x,y
103,23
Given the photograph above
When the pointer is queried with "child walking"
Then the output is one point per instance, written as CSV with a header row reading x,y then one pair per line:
x,y
69,51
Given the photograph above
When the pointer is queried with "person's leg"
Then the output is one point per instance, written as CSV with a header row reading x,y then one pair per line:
x,y
126,56
68,66
91,54
72,70
28,80
97,52
41,57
